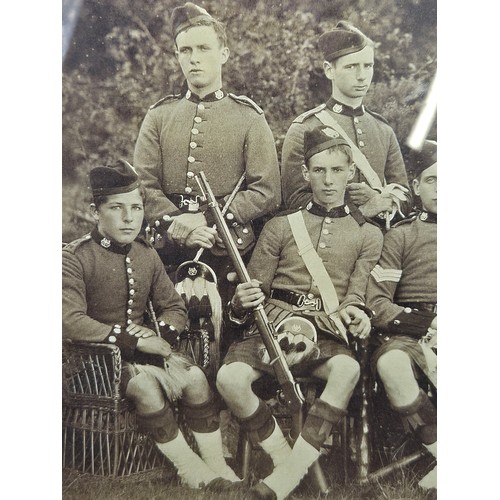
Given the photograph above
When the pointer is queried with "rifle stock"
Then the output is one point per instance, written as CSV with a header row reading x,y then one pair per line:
x,y
292,393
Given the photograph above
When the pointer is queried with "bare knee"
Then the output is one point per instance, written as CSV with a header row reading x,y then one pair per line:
x,y
394,365
197,389
145,391
234,379
344,370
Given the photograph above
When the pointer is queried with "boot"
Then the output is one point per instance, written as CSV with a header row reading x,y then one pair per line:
x,y
276,446
287,476
210,446
430,479
192,470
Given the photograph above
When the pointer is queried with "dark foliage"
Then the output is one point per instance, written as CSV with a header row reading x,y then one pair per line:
x,y
121,60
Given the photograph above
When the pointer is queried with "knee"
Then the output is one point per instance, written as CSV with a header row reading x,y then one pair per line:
x,y
394,365
143,388
345,370
233,380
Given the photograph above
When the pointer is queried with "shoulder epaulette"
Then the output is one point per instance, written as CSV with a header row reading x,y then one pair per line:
x,y
409,219
309,113
376,115
165,99
246,100
71,247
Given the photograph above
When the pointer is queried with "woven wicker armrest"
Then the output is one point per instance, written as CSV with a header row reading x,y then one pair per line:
x,y
91,371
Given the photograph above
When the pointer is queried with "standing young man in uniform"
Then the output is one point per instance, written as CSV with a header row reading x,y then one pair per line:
x,y
205,129
111,278
348,63
349,247
402,291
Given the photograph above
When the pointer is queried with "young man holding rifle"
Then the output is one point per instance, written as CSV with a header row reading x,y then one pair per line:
x,y
205,129
347,248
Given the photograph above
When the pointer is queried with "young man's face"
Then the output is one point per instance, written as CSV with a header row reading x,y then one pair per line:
x,y
351,75
425,186
120,218
328,173
201,56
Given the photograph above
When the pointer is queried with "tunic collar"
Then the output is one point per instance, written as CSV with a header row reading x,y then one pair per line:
x,y
428,217
344,109
335,212
108,244
214,96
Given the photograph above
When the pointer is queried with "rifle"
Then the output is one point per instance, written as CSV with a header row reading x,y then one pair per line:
x,y
292,394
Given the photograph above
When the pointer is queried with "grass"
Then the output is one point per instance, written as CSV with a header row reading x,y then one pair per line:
x,y
163,483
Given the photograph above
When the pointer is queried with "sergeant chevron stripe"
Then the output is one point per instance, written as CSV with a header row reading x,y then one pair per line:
x,y
381,274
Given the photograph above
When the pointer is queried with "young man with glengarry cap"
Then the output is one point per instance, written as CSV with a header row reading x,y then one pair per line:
x,y
348,246
402,291
111,279
205,129
380,186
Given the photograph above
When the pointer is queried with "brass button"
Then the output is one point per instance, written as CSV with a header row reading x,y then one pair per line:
x,y
191,159
359,131
325,231
328,220
310,296
195,131
361,143
112,339
322,245
192,145
197,119
356,120
188,190
127,260
131,281
190,175
201,106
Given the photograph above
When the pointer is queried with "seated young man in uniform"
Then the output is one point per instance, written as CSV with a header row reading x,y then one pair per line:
x,y
349,247
111,277
402,291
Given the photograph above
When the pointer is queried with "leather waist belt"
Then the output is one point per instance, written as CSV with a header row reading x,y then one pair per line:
x,y
300,300
421,306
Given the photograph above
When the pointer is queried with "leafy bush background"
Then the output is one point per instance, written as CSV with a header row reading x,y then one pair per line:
x,y
121,60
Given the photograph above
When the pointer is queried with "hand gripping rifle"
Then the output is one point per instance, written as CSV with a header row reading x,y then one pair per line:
x,y
292,394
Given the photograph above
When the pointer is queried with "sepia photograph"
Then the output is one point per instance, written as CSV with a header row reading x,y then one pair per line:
x,y
249,249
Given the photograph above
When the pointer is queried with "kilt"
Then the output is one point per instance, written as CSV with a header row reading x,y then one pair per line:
x,y
251,352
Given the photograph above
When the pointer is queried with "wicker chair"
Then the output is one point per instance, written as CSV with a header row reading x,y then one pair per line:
x,y
100,434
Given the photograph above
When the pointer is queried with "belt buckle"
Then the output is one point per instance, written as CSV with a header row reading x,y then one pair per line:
x,y
306,304
192,205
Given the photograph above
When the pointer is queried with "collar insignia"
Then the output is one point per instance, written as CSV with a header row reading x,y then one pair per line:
x,y
105,243
188,94
337,108
219,94
424,216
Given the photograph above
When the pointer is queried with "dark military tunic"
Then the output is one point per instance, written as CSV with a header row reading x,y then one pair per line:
x,y
402,289
349,247
369,131
406,275
109,285
222,135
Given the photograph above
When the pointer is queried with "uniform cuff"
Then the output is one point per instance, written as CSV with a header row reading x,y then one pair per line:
x,y
121,339
168,333
411,322
235,319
